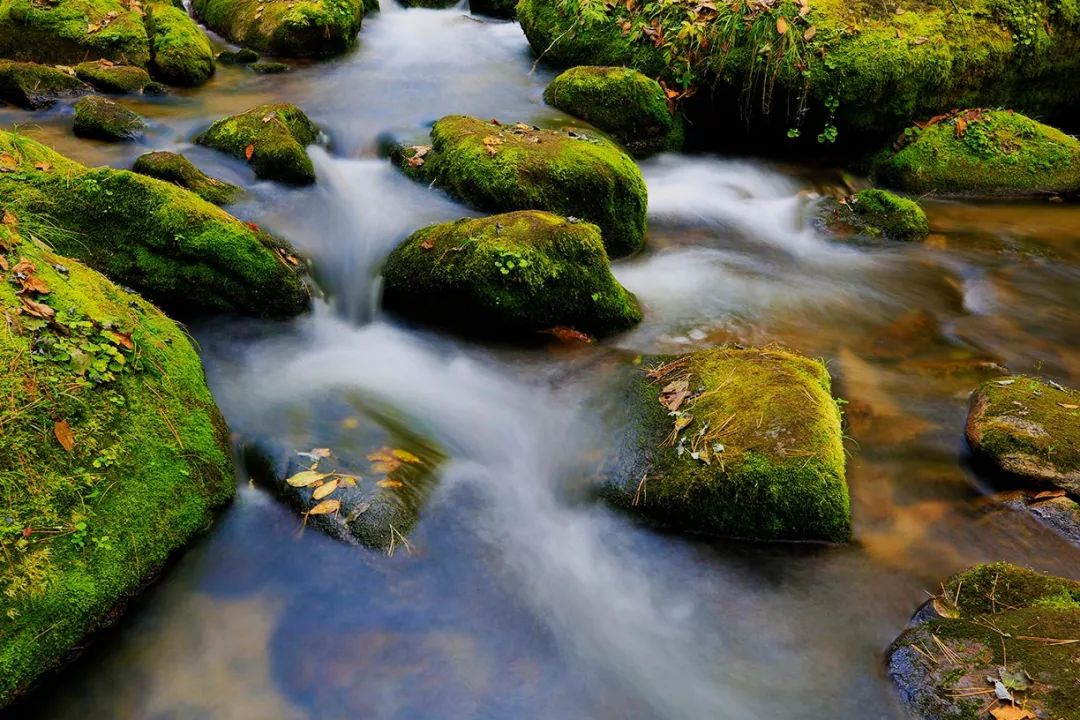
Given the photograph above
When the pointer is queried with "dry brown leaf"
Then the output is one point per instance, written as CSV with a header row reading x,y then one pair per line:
x,y
389,483
1011,712
248,152
427,244
1047,495
568,335
326,507
3,263
8,162
810,33
122,339
62,431
676,386
43,166
781,25
1069,406
36,309
325,489
9,219
674,401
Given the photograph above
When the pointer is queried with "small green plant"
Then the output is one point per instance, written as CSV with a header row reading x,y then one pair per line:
x,y
78,538
508,261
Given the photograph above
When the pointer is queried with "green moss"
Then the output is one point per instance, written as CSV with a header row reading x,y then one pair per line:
x,y
277,135
498,167
505,9
177,249
622,102
178,170
33,86
104,119
83,531
514,274
437,4
766,432
72,31
290,28
879,212
111,78
180,52
243,56
269,68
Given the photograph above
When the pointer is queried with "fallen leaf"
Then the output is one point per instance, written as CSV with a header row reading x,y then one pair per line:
x,y
961,127
1047,495
249,151
347,480
8,162
427,244
568,335
326,507
62,431
1018,681
1004,382
405,456
682,421
36,309
325,489
810,33
9,219
676,386
674,401
306,477
3,263
1011,712
781,25
1069,406
389,483
43,166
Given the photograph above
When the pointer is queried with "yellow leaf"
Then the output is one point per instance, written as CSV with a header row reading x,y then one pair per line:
x,y
1069,406
1011,712
305,478
325,489
8,162
326,507
388,483
781,25
347,480
350,423
810,33
405,456
63,434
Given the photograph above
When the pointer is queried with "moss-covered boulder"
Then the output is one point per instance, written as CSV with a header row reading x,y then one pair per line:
x,y
982,152
269,68
272,138
627,105
499,168
104,119
165,242
113,455
999,641
33,87
433,4
289,28
508,275
505,9
178,170
1028,427
738,443
877,213
241,56
109,77
180,52
73,31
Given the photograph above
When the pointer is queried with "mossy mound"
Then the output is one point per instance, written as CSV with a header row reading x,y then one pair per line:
x,y
994,628
1028,427
73,31
508,275
165,242
243,56
982,152
33,87
505,9
104,119
877,213
271,138
739,443
627,105
180,52
269,68
109,77
500,168
178,170
113,454
289,28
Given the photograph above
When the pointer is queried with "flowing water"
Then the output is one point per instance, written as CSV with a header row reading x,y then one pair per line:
x,y
520,598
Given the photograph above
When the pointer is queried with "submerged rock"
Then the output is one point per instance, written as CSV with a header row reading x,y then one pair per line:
x,y
627,105
739,443
113,454
180,52
167,243
500,168
515,274
289,28
178,170
269,68
436,4
109,77
104,119
878,213
982,152
506,9
34,87
243,56
272,138
995,631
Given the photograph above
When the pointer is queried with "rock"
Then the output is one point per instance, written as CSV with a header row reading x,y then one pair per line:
x,y
982,152
243,56
178,170
1028,427
104,119
877,213
34,87
113,455
515,274
170,245
627,105
993,624
108,77
506,9
499,168
269,68
297,28
754,448
180,52
435,4
277,135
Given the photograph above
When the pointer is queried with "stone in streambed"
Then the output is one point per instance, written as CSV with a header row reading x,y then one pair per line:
x,y
109,77
242,56
178,170
180,52
35,87
99,118
877,213
505,9
269,68
275,136
287,28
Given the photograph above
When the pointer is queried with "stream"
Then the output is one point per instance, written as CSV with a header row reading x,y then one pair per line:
x,y
521,598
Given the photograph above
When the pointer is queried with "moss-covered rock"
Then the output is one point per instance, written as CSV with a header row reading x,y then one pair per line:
x,y
982,152
109,77
627,105
242,56
73,31
276,135
505,9
180,52
515,274
993,624
1028,427
104,119
33,87
178,170
498,168
736,442
113,455
165,242
289,28
434,4
269,68
877,213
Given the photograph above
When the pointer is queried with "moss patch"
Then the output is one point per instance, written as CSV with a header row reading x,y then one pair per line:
x,y
243,56
111,78
178,170
276,135
32,86
290,28
269,68
180,52
878,213
73,31
104,119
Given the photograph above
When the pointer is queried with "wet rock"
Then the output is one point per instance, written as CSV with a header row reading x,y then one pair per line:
x,y
500,168
103,119
297,28
1051,507
130,460
515,274
243,56
269,68
1028,427
180,52
436,4
982,152
167,243
735,442
878,213
506,9
34,87
627,105
271,138
994,629
108,77
178,170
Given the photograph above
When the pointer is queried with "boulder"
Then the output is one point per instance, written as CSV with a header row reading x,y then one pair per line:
x,y
271,138
735,442
165,242
178,170
34,87
877,213
180,52
109,77
269,68
499,168
515,275
505,9
104,119
625,104
242,56
289,28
